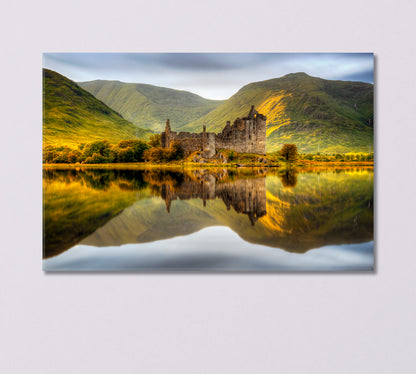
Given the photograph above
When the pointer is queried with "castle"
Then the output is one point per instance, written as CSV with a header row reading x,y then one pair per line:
x,y
245,135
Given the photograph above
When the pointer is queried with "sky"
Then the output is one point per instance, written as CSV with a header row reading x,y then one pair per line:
x,y
211,75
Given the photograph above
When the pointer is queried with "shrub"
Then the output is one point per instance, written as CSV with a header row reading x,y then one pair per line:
x,y
158,154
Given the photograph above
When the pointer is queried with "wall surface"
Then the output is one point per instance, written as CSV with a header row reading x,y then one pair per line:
x,y
244,135
207,323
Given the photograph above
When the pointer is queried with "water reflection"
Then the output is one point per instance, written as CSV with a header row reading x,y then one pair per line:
x,y
77,202
295,210
289,177
219,249
246,196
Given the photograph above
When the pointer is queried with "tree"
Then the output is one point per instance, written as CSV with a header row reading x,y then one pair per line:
x,y
49,154
154,140
137,146
158,154
96,158
100,147
74,156
126,155
289,152
176,151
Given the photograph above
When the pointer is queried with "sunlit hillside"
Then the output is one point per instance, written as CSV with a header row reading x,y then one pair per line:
x,y
72,115
316,114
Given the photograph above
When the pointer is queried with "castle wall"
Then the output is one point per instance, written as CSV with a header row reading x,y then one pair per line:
x,y
190,142
246,135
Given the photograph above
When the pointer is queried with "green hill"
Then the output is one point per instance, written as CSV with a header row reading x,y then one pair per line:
x,y
72,115
314,113
149,106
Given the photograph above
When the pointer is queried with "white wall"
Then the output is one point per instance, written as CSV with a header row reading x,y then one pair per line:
x,y
132,323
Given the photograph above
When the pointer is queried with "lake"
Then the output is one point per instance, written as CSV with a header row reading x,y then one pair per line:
x,y
245,219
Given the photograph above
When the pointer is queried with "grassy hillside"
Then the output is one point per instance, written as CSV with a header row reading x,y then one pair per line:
x,y
72,115
149,106
316,114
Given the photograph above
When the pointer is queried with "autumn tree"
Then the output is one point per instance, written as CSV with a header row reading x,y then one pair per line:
x,y
289,152
154,140
132,150
96,152
176,151
158,154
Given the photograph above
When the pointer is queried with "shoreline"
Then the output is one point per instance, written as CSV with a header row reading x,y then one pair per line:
x,y
145,165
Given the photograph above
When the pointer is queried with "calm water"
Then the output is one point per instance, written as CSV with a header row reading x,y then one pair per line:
x,y
208,220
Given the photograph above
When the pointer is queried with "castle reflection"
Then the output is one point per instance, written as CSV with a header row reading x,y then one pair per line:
x,y
246,196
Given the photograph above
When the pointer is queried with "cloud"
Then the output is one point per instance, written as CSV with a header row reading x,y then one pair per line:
x,y
211,75
361,76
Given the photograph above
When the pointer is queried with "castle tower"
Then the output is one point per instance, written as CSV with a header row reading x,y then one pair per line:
x,y
255,132
165,136
208,142
260,133
252,113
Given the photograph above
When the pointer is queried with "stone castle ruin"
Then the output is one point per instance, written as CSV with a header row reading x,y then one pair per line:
x,y
245,135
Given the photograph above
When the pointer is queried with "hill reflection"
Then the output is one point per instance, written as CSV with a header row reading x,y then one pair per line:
x,y
295,210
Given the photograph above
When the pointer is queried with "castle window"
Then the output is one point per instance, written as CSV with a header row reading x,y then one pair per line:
x,y
249,136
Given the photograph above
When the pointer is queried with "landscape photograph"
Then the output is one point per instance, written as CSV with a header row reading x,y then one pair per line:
x,y
208,162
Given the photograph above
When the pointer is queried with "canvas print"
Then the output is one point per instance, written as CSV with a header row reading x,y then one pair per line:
x,y
208,162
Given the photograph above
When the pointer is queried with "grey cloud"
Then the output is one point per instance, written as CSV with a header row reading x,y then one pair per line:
x,y
362,76
211,75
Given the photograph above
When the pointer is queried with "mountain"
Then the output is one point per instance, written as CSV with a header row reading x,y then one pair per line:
x,y
318,115
149,106
72,115
314,113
